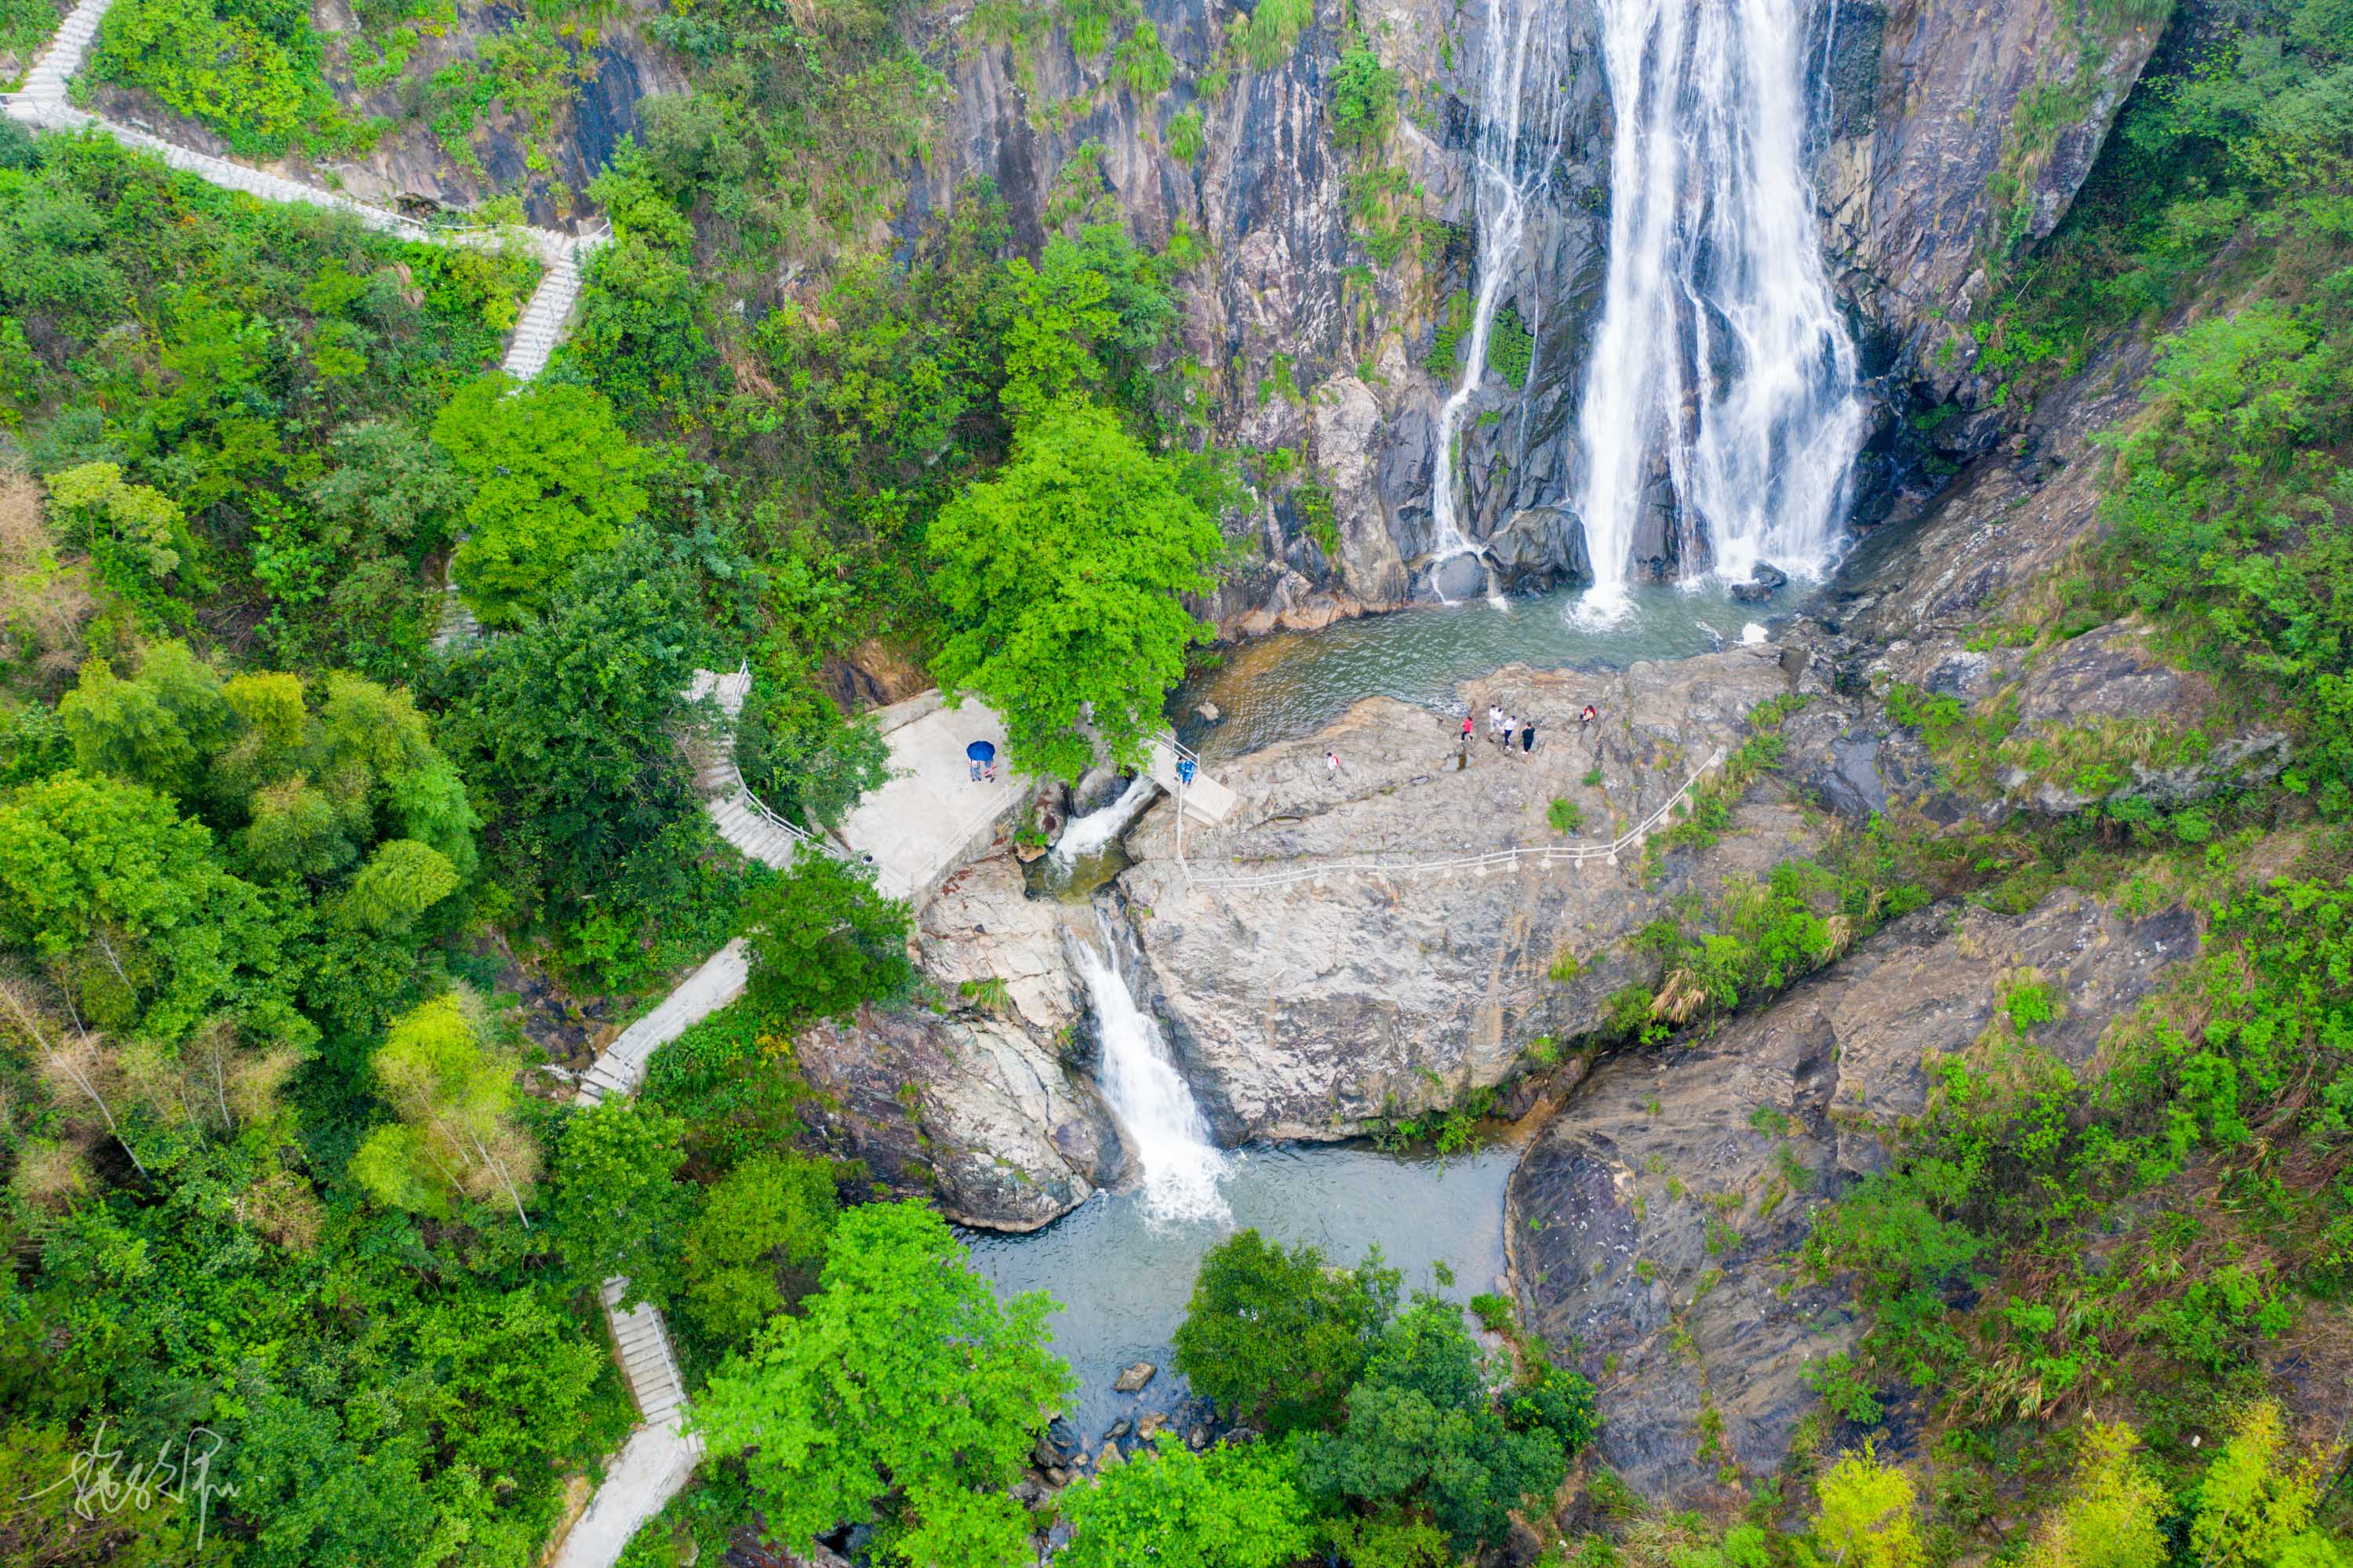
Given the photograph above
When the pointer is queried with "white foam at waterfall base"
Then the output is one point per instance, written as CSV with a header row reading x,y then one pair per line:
x,y
1164,1128
1089,834
1720,348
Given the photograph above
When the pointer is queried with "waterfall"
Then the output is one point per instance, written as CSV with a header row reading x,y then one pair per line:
x,y
1089,834
1510,162
1721,360
1163,1125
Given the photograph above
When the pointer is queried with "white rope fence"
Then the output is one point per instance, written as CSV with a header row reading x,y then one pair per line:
x,y
1545,856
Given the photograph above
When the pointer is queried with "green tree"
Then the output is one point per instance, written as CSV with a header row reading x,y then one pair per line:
x,y
822,940
1231,1508
771,1210
901,1384
796,750
1867,1514
618,1208
2113,1515
457,1131
127,905
2257,1501
554,479
567,730
1061,578
1423,1430
160,728
1277,1338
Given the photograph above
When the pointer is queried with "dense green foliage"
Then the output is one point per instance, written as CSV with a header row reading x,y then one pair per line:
x,y
1231,1508
821,940
1060,579
551,479
903,1395
1274,1337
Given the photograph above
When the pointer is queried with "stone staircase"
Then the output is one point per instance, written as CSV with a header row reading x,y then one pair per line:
x,y
543,320
646,1358
69,47
620,1067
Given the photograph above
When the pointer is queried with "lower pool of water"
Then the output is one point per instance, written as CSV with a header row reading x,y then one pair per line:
x,y
1123,1279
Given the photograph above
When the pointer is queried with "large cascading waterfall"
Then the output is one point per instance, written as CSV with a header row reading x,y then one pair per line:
x,y
1181,1168
1511,159
1721,363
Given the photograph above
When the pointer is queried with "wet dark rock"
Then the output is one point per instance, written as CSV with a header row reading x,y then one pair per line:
x,y
1458,578
1749,593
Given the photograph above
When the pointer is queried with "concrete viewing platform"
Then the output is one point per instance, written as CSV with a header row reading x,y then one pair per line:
x,y
930,817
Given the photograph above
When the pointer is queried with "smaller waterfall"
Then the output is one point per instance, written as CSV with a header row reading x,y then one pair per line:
x,y
1509,161
1089,834
1163,1125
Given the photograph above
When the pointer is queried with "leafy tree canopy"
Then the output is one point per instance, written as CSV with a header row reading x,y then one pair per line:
x,y
1277,1338
554,479
1423,1430
1231,1508
1061,578
901,1388
823,940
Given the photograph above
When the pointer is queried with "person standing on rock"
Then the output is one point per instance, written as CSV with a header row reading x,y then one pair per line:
x,y
1332,764
1494,719
1588,715
1527,736
1504,737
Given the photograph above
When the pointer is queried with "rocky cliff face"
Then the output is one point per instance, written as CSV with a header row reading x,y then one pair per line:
x,y
1959,129
417,170
988,1108
1651,1222
1306,340
1944,132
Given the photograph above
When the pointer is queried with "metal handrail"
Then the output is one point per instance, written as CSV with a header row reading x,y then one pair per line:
x,y
1545,854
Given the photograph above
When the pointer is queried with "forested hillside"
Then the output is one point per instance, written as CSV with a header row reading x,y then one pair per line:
x,y
311,919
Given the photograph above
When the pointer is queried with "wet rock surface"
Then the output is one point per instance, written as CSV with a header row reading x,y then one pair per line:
x,y
1651,1221
1315,1008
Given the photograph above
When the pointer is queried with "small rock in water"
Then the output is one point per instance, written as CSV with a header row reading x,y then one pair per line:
x,y
1749,593
1151,1425
1209,712
1133,1380
1119,1429
1058,1476
1111,1456
1772,576
1197,1439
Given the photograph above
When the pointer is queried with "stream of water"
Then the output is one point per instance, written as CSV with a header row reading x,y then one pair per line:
x,y
1510,160
1167,1135
1721,352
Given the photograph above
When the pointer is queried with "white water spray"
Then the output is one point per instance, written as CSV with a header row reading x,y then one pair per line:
x,y
1086,834
1510,160
1720,346
1163,1125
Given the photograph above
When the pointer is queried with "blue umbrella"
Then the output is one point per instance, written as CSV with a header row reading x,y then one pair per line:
x,y
982,751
